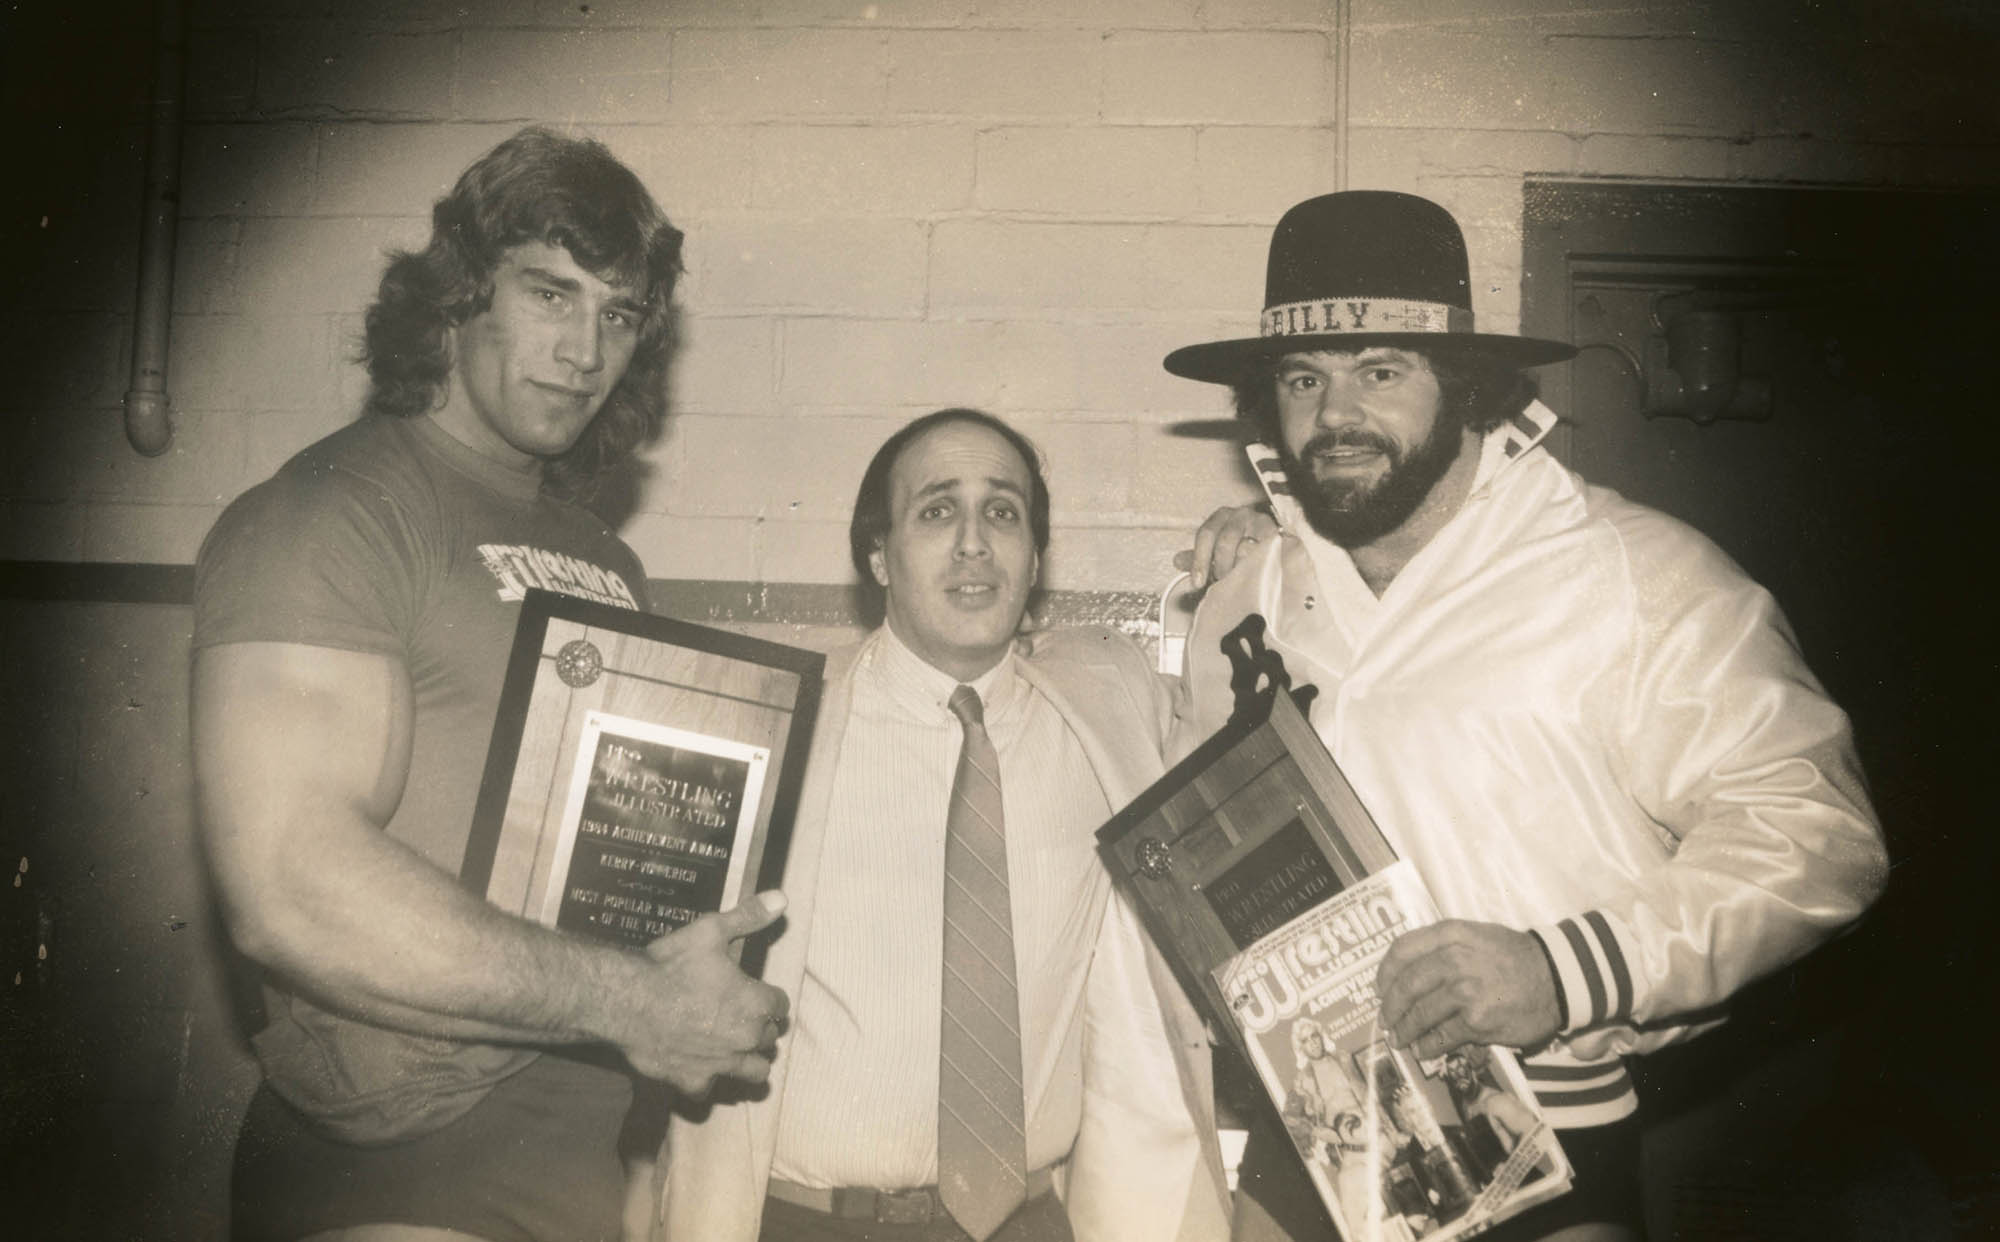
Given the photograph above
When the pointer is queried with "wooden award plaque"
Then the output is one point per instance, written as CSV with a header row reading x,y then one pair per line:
x,y
643,771
1253,829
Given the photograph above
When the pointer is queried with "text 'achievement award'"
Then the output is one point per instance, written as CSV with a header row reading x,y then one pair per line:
x,y
643,771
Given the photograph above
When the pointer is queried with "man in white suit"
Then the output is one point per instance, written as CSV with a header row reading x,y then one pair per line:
x,y
1113,1135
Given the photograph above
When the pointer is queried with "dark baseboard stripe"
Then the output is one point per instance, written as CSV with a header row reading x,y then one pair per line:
x,y
812,603
712,602
708,601
96,583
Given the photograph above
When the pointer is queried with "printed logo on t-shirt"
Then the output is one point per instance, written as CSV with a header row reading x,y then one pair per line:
x,y
518,568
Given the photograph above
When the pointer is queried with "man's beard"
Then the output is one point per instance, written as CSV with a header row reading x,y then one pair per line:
x,y
1352,512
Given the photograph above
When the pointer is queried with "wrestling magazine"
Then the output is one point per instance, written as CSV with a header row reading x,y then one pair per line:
x,y
1399,1148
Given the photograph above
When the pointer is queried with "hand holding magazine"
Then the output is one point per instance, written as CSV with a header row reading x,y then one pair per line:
x,y
1398,1148
1270,890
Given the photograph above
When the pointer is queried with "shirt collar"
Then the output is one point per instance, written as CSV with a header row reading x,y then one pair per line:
x,y
513,484
1499,448
925,691
1511,440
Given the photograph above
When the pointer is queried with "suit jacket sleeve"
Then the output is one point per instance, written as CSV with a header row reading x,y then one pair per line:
x,y
1146,1165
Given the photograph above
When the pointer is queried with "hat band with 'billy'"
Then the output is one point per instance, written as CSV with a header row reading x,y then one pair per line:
x,y
1325,316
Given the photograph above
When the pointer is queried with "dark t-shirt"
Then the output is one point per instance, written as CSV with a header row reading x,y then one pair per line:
x,y
391,537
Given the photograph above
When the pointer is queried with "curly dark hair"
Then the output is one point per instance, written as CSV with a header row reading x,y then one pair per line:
x,y
872,519
537,186
1484,390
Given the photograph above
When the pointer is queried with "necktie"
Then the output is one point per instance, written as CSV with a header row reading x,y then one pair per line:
x,y
982,1128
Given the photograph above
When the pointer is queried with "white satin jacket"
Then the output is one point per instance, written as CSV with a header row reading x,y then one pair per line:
x,y
1577,717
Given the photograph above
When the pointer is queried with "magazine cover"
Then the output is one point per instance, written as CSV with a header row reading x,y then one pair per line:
x,y
1399,1148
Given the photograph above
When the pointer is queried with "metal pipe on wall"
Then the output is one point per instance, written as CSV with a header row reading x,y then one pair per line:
x,y
147,426
1343,39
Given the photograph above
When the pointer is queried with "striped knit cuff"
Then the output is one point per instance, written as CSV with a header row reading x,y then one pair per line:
x,y
1574,1096
1593,984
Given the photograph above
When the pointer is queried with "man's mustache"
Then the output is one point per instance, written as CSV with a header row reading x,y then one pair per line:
x,y
1347,438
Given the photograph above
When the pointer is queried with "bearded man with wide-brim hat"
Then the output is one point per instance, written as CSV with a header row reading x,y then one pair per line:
x,y
1591,734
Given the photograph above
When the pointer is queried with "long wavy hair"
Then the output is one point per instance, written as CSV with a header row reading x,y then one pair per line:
x,y
537,186
1302,1028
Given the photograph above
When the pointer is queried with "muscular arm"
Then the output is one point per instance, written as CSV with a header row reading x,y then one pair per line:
x,y
1731,746
301,754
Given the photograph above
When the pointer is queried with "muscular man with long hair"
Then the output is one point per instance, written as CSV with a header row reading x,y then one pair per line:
x,y
435,1067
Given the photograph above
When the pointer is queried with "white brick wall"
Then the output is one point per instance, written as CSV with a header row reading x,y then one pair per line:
x,y
1218,77
322,68
1102,170
758,74
891,207
865,170
998,75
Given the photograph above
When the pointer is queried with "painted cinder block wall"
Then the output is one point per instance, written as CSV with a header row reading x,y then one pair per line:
x,y
896,206
890,207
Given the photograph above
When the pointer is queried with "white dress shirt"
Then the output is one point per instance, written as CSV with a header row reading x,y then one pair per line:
x,y
861,1103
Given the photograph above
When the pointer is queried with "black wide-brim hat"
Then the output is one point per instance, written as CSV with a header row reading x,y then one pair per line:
x,y
1361,268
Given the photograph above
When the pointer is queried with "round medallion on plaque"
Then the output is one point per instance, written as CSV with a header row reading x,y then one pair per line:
x,y
578,663
1154,858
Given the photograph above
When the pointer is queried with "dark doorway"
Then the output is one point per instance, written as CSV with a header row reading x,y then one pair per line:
x,y
1800,374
